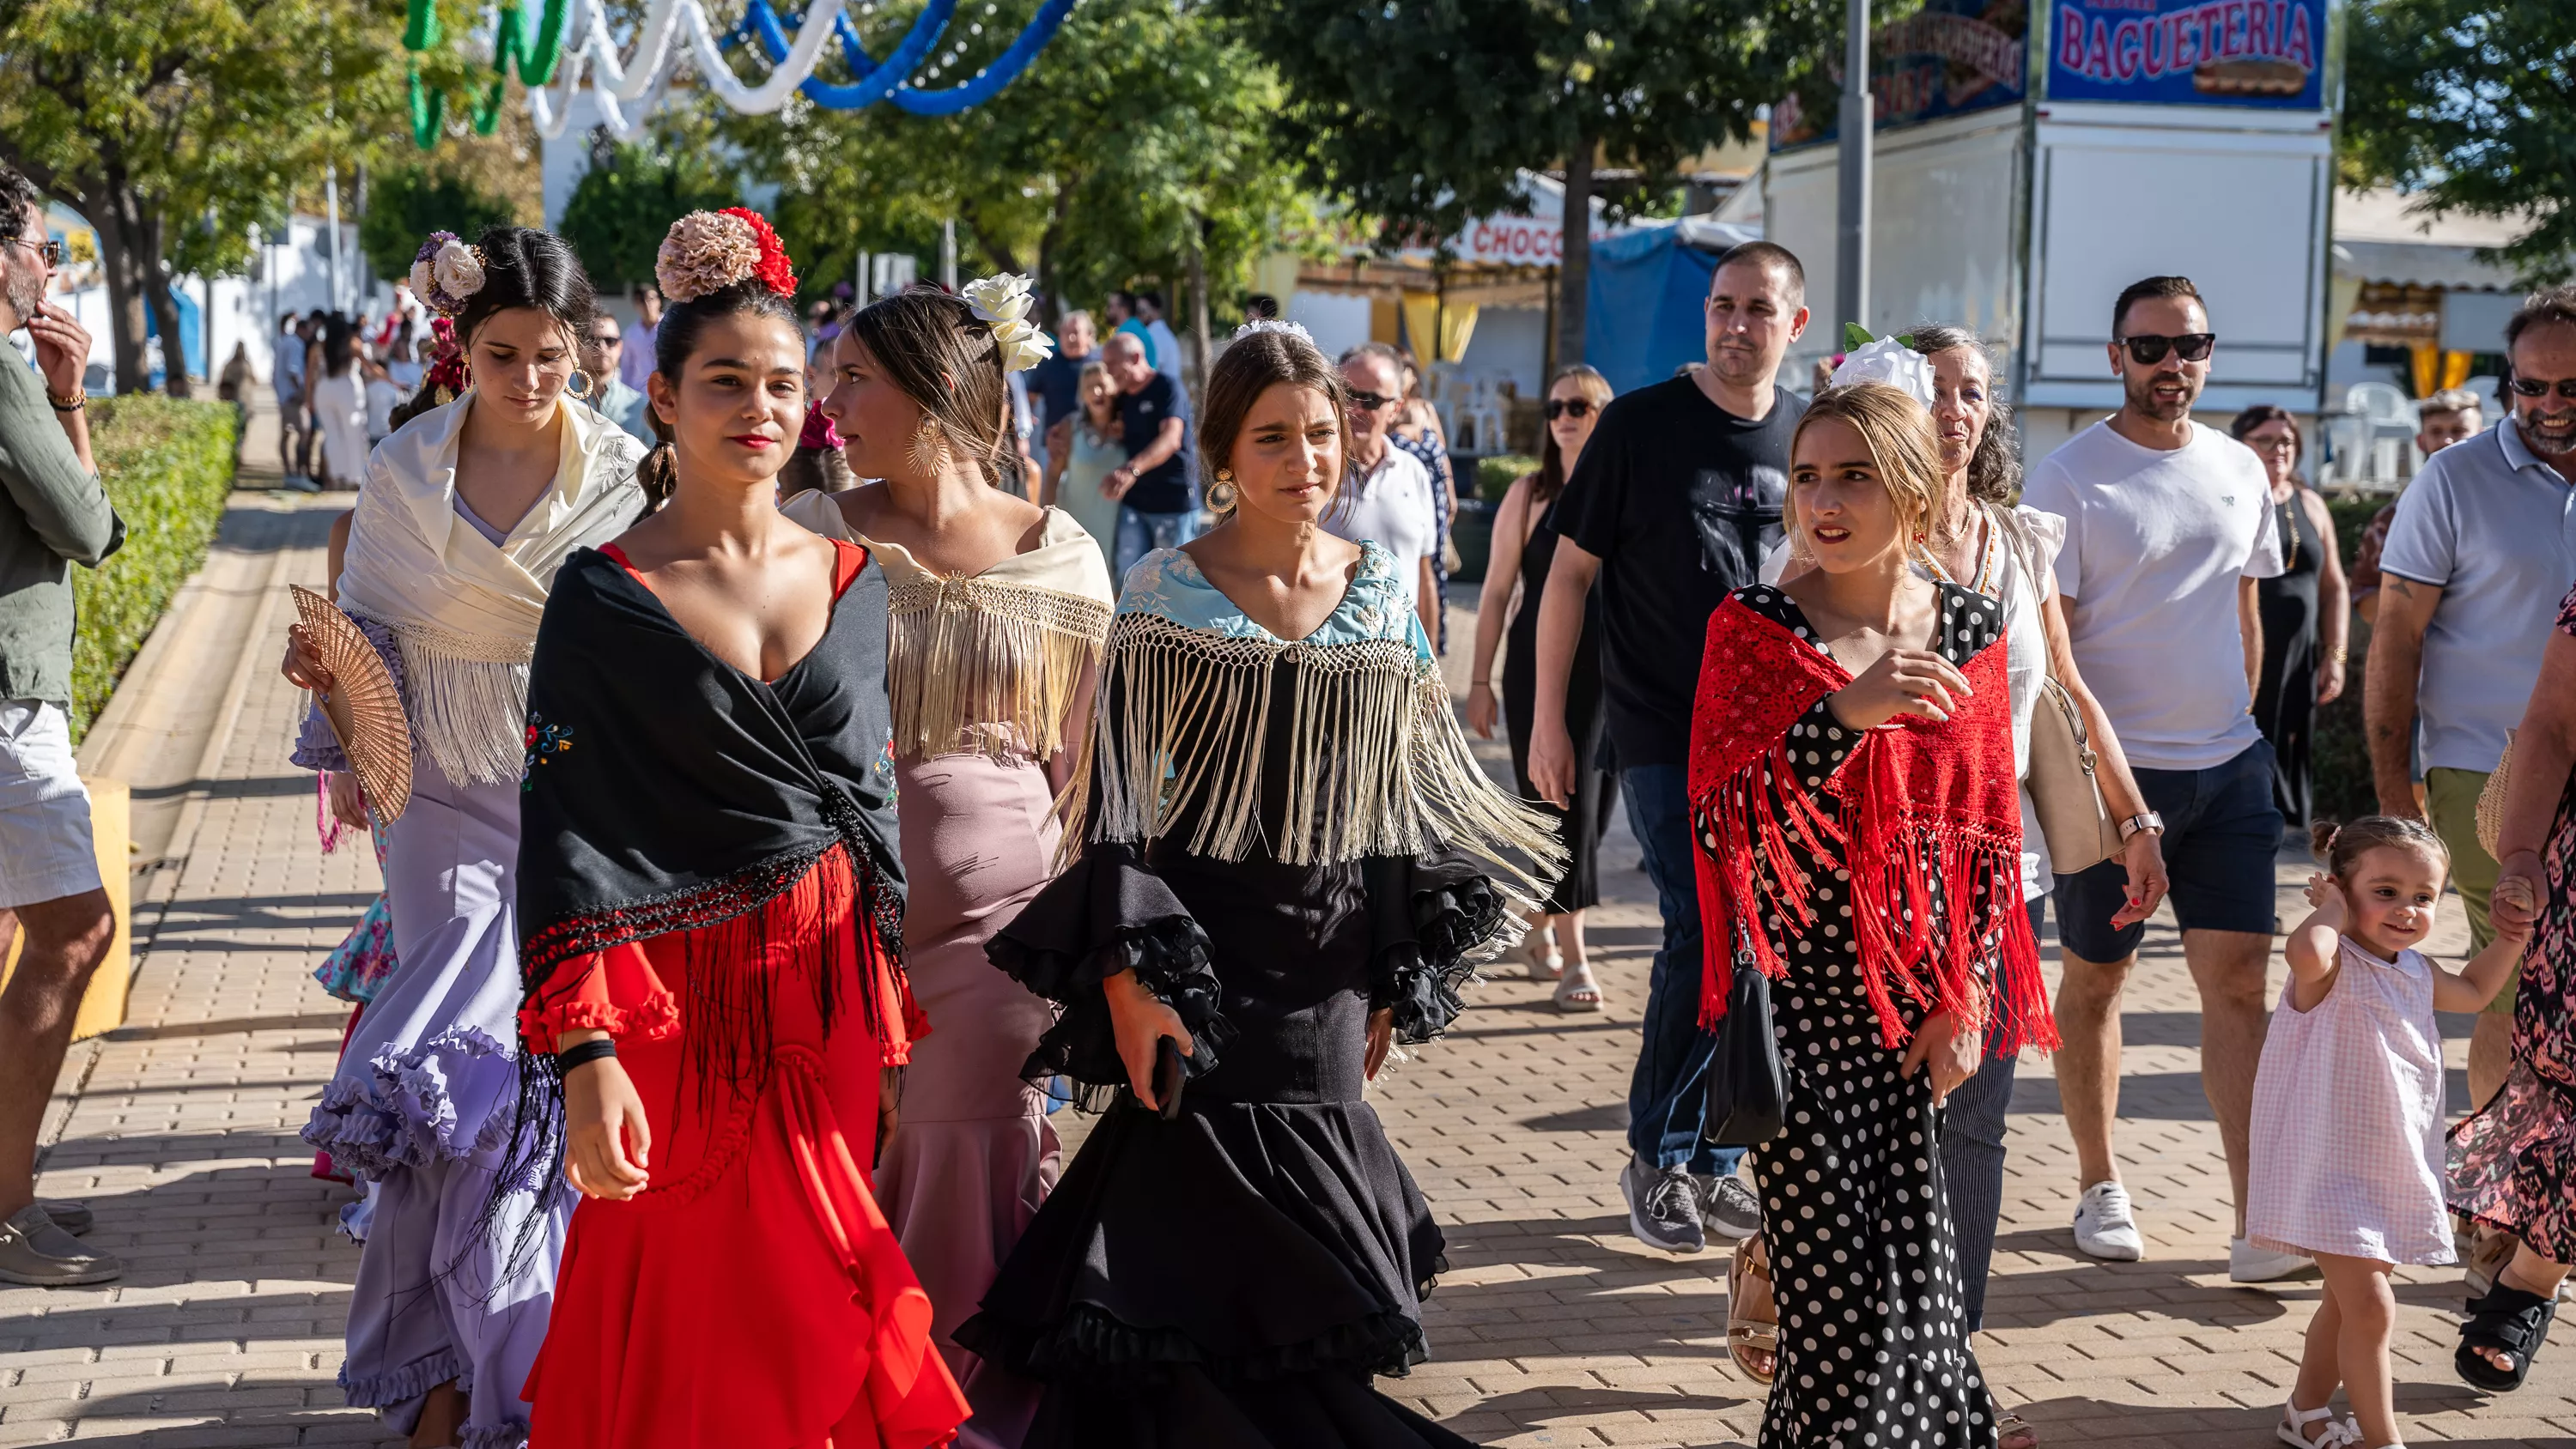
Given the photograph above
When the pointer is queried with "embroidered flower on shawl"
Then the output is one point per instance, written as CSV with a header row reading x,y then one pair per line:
x,y
707,251
545,741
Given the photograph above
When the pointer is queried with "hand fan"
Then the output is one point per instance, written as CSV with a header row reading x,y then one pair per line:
x,y
364,708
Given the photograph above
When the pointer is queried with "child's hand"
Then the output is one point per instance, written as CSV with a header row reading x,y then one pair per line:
x,y
2512,911
2323,894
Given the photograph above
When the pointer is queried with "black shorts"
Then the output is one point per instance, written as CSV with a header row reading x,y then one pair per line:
x,y
2222,835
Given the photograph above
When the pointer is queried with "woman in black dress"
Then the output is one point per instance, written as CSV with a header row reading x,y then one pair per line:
x,y
2303,612
1524,544
1287,859
1854,794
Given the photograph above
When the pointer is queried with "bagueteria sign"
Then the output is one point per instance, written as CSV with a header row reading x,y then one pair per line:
x,y
2188,52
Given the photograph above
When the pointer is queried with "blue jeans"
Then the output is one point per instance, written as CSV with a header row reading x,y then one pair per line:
x,y
1141,533
1972,1161
1668,1096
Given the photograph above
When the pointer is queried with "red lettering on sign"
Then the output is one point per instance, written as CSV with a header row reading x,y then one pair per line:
x,y
2302,45
2097,53
2126,44
2070,38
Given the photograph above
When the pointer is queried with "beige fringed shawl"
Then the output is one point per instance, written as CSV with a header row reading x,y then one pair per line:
x,y
464,610
1378,763
990,663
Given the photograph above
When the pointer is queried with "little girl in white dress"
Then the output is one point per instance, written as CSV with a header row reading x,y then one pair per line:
x,y
2348,1106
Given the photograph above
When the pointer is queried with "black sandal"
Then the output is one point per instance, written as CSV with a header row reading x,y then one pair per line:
x,y
2507,1320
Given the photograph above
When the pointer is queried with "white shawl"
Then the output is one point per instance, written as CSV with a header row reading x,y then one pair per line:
x,y
463,610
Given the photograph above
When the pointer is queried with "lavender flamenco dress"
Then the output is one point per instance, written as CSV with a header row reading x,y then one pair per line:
x,y
985,674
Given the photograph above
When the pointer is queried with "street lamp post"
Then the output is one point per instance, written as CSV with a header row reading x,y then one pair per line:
x,y
1851,263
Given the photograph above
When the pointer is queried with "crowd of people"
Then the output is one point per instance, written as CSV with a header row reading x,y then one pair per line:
x,y
785,838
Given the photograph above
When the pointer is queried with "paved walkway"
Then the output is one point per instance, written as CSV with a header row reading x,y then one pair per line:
x,y
1553,1328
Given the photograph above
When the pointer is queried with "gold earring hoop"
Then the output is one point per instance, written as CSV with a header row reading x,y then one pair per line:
x,y
929,450
587,385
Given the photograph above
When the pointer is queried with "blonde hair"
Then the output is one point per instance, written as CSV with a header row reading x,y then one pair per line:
x,y
1901,442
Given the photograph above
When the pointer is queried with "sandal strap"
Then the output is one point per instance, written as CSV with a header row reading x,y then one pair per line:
x,y
2510,1319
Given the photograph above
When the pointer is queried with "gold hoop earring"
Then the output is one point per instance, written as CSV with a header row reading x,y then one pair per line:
x,y
1222,494
587,385
929,450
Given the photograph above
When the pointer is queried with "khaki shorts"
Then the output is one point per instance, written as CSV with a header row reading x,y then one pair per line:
x,y
45,848
2451,803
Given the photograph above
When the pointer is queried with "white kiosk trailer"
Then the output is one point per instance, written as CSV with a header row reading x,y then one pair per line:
x,y
2035,156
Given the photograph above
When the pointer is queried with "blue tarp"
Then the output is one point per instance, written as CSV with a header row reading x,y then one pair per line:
x,y
192,332
1642,315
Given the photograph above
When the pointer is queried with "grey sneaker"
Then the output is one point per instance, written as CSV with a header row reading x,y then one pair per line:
x,y
73,1218
1727,1207
35,1252
1663,1207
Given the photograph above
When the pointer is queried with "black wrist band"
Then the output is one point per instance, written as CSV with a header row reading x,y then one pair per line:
x,y
589,1051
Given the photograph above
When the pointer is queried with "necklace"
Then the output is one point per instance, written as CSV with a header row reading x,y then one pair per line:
x,y
2289,532
1985,566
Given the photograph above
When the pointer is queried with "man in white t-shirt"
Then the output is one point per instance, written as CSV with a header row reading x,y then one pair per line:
x,y
1387,498
2169,525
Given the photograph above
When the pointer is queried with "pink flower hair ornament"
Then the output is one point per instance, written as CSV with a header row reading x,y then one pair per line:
x,y
708,251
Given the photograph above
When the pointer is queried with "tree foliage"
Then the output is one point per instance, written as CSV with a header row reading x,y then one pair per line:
x,y
1138,141
409,203
2472,103
174,125
1422,113
630,196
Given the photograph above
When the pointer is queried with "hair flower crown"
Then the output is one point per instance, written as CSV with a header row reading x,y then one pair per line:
x,y
445,272
708,251
1002,301
1889,360
1270,324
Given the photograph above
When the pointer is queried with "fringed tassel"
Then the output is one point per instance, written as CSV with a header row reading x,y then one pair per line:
x,y
1745,814
973,665
469,711
1462,807
1183,718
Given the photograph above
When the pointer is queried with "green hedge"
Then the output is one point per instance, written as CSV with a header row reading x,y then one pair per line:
x,y
168,465
2339,764
1495,475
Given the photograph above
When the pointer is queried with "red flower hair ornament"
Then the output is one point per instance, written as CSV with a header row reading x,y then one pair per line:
x,y
707,251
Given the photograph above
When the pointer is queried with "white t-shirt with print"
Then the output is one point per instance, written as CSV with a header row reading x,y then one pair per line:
x,y
1391,506
2156,542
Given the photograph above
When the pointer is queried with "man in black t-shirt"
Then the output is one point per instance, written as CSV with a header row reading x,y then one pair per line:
x,y
1056,383
1152,485
1671,506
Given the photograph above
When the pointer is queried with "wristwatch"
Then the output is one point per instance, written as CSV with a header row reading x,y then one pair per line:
x,y
2135,823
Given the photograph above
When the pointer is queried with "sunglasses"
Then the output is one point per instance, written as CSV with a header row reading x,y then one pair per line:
x,y
2533,387
1568,407
2147,349
1369,402
611,340
51,251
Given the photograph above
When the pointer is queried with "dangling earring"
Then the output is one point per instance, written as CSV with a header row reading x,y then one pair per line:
x,y
1222,495
579,385
929,447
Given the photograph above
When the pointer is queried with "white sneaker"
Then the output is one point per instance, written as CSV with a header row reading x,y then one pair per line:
x,y
2103,1227
2247,1263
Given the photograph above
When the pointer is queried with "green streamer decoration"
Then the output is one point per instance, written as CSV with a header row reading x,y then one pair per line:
x,y
531,52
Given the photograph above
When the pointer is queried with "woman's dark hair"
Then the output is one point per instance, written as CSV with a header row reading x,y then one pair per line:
x,y
522,267
2261,413
1549,480
1250,366
1994,470
934,348
815,470
2342,847
339,346
674,340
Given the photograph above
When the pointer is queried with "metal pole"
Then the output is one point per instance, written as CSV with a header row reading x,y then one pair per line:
x,y
331,202
1851,262
948,254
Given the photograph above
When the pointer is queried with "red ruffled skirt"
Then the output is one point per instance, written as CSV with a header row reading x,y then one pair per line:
x,y
753,1295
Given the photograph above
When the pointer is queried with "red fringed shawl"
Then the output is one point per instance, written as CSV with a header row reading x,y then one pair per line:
x,y
1919,801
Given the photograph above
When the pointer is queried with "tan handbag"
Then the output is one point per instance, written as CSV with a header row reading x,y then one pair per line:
x,y
2065,792
2492,798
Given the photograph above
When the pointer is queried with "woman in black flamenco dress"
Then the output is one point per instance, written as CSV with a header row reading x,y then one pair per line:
x,y
1288,858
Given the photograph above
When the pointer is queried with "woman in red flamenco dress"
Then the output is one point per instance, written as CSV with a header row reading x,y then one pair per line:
x,y
710,885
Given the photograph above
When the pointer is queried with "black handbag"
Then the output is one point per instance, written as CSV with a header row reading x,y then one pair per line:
x,y
1746,1093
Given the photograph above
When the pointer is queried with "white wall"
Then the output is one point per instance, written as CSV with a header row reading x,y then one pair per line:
x,y
292,274
1509,342
1338,320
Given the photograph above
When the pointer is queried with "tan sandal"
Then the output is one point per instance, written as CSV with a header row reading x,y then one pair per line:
x,y
1752,1319
2012,1431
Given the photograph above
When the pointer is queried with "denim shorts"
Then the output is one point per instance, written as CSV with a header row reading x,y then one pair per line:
x,y
2222,833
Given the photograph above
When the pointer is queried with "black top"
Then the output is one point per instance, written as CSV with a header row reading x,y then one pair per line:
x,y
1679,499
1165,487
1055,385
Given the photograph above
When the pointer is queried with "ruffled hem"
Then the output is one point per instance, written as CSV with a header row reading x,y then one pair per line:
x,y
402,1385
2511,1163
443,1101
508,1436
652,1019
1454,920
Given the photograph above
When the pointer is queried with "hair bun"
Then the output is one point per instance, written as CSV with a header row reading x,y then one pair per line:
x,y
2321,837
708,251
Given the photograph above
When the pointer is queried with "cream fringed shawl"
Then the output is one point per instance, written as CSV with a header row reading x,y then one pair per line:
x,y
991,663
1378,763
462,609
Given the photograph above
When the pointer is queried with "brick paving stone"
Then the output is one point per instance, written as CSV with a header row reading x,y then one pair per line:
x,y
1551,1328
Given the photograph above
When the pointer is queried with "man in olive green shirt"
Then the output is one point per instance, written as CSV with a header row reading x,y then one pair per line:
x,y
53,514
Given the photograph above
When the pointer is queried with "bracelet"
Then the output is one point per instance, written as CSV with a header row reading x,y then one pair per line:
x,y
2339,656
73,404
1480,684
589,1051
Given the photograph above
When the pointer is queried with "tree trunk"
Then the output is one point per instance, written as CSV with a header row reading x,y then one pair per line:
x,y
164,301
1574,273
1199,311
110,210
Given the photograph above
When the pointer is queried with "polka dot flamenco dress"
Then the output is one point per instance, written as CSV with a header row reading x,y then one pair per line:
x,y
1872,1352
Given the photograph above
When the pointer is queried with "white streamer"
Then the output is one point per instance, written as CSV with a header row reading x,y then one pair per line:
x,y
628,88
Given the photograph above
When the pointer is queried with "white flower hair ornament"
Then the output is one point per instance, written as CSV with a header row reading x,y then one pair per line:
x,y
1266,324
1891,360
1002,302
445,272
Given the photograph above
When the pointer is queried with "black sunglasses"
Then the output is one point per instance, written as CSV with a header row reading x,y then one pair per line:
x,y
2533,387
2147,349
1568,407
1369,402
